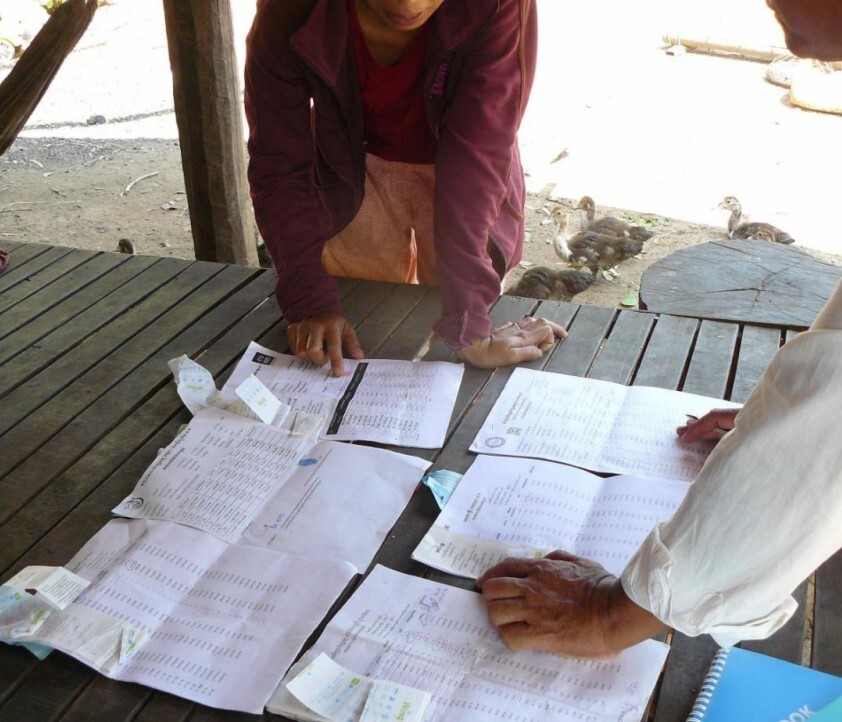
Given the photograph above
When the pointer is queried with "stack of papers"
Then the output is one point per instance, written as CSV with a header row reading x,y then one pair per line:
x,y
244,531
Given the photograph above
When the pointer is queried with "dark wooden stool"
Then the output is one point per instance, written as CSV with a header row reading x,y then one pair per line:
x,y
754,282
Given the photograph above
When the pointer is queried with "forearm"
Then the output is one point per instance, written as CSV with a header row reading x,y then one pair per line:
x,y
713,567
628,623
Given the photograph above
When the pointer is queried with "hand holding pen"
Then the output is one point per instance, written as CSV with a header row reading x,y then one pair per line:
x,y
712,426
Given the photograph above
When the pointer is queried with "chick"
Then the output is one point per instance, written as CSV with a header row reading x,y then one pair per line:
x,y
124,245
609,224
557,284
737,228
600,251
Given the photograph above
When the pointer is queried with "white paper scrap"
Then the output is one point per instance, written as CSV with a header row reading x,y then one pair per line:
x,y
394,701
330,690
337,694
21,614
259,399
194,383
57,586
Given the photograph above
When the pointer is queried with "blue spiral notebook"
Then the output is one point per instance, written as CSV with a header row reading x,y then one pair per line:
x,y
752,687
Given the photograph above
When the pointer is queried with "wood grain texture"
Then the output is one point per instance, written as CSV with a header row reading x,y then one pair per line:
x,y
92,402
206,89
740,280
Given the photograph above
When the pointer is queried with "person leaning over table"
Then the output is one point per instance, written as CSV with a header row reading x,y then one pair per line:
x,y
383,146
762,514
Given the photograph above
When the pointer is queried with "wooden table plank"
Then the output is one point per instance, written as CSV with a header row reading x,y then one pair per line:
x,y
410,339
709,372
757,347
105,699
67,284
827,625
115,286
587,332
162,707
46,693
687,665
92,353
667,353
22,252
623,347
395,308
118,385
17,279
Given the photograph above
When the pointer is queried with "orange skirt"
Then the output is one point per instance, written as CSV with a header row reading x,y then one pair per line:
x,y
391,237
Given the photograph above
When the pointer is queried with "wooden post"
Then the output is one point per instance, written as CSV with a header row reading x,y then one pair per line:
x,y
206,90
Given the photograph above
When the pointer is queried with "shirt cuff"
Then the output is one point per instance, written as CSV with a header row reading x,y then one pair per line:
x,y
459,331
655,580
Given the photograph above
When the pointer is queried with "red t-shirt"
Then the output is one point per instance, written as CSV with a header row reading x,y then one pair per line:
x,y
394,116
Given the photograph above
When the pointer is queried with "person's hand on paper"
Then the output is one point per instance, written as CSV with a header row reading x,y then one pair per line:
x,y
322,338
711,427
513,343
565,605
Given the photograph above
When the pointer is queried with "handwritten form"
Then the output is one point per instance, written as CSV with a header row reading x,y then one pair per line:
x,y
508,506
390,402
596,425
437,638
220,623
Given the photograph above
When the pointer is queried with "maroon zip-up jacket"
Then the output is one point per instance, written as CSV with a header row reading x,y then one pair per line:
x,y
306,169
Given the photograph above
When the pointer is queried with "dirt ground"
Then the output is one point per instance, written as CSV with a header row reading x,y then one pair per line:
x,y
67,182
89,193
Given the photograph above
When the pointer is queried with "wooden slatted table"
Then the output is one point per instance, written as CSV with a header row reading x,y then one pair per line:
x,y
86,400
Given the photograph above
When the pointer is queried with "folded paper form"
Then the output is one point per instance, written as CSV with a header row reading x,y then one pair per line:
x,y
437,638
389,402
507,506
596,425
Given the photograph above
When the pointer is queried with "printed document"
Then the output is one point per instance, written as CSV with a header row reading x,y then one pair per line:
x,y
596,425
437,638
406,403
340,503
216,474
508,506
181,611
247,482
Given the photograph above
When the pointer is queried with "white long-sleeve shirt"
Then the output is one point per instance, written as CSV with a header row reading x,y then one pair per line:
x,y
765,510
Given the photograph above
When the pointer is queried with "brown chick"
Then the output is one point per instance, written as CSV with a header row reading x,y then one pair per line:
x,y
554,284
609,224
124,245
599,251
737,228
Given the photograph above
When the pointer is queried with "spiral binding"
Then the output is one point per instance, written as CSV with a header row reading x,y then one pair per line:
x,y
717,667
